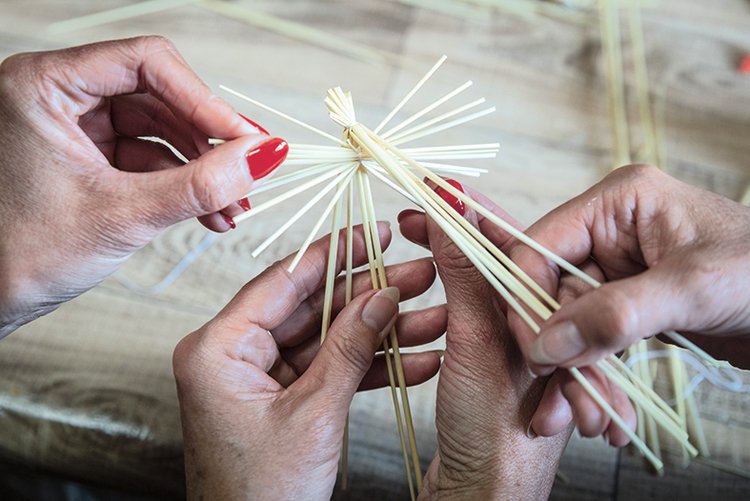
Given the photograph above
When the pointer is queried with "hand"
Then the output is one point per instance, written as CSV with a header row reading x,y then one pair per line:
x,y
486,395
79,192
263,403
674,258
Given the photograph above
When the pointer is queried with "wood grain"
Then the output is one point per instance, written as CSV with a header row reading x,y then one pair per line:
x,y
88,391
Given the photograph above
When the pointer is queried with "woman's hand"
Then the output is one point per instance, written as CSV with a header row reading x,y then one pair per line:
x,y
263,403
486,395
675,257
79,192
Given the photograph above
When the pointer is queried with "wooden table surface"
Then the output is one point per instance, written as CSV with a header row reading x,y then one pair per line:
x,y
88,391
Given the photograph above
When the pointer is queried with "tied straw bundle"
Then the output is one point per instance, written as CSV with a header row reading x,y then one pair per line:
x,y
364,153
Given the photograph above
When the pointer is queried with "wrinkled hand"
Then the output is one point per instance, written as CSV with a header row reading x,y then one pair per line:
x,y
263,403
79,192
486,395
674,257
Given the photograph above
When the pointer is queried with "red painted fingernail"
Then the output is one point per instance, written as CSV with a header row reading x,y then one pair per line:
x,y
744,67
260,129
452,200
245,204
264,158
229,221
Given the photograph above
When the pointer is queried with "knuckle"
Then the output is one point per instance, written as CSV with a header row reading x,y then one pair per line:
x,y
452,261
635,174
182,358
12,66
209,189
350,349
156,42
619,319
14,71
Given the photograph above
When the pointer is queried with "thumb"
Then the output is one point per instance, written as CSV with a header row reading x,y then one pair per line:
x,y
612,318
207,184
468,294
348,350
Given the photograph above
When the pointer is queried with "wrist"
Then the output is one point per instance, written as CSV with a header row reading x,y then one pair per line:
x,y
521,469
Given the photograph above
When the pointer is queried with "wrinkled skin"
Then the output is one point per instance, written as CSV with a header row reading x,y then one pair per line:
x,y
673,256
486,394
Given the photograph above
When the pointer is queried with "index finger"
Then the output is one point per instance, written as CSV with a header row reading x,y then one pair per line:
x,y
145,64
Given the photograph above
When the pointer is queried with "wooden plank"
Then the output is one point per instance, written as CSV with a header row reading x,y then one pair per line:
x,y
105,358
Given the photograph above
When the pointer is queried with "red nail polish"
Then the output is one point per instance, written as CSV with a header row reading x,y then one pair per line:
x,y
245,204
264,158
452,200
260,129
229,221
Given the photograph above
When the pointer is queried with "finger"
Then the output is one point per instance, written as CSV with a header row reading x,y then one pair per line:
x,y
416,328
569,289
138,155
145,64
229,355
418,368
553,415
612,318
590,419
624,408
412,223
205,185
413,329
498,236
477,338
270,298
413,226
348,351
412,279
137,115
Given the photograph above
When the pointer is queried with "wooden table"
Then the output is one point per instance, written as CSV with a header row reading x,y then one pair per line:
x,y
88,391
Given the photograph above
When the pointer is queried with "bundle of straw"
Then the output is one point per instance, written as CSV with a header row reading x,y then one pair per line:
x,y
366,153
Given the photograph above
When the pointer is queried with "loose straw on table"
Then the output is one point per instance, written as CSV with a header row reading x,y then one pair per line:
x,y
651,152
226,8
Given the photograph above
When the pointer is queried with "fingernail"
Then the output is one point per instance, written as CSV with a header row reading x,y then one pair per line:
x,y
381,308
452,200
264,158
229,221
530,431
557,344
260,129
245,204
533,374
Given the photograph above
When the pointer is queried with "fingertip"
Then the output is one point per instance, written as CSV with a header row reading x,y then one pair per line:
x,y
557,344
385,233
408,213
215,222
554,419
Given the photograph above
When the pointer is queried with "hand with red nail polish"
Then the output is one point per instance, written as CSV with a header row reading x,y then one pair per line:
x,y
80,191
486,395
263,403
